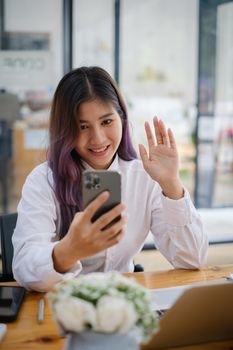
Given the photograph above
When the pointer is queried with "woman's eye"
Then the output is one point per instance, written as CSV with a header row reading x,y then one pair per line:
x,y
107,121
83,127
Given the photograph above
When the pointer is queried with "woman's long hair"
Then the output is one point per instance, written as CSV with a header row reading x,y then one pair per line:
x,y
78,86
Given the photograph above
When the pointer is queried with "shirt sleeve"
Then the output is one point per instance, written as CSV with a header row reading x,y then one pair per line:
x,y
178,231
35,236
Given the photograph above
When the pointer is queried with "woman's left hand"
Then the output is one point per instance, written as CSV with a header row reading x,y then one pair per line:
x,y
162,162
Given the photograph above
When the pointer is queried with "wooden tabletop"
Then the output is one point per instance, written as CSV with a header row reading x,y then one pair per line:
x,y
25,333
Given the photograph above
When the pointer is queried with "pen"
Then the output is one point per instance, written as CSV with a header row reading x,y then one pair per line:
x,y
40,316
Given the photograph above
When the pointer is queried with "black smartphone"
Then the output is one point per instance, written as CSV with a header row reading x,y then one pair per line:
x,y
96,182
11,298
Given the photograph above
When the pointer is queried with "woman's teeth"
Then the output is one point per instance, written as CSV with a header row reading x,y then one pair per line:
x,y
98,150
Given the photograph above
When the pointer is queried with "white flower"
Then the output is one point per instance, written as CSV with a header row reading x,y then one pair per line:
x,y
104,302
75,314
115,314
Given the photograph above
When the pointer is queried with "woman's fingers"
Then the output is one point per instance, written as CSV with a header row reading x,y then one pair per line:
x,y
95,205
108,217
116,239
159,137
149,135
110,236
172,139
143,154
105,232
117,228
163,132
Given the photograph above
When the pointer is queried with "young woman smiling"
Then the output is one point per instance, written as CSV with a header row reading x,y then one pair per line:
x,y
89,129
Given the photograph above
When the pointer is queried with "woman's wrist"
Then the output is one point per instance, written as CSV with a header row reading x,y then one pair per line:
x,y
63,259
173,189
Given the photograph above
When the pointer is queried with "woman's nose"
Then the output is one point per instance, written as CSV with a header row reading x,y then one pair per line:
x,y
97,135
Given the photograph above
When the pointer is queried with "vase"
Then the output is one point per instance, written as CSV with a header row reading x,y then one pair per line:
x,y
100,341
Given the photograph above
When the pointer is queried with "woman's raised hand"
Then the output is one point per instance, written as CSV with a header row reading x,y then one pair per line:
x,y
161,161
86,238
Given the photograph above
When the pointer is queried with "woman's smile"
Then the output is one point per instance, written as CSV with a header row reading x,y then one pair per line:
x,y
99,151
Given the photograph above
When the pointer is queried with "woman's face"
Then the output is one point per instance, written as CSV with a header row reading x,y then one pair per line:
x,y
99,133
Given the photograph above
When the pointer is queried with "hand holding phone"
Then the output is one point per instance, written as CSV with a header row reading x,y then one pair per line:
x,y
99,226
96,182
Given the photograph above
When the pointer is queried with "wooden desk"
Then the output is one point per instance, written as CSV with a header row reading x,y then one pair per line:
x,y
26,333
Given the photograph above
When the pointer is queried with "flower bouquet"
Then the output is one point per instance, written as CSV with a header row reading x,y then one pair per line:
x,y
104,303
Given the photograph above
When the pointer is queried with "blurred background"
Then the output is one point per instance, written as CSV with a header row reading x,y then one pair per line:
x,y
171,58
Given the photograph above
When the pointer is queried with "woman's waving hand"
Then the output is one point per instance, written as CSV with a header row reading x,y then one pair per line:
x,y
161,161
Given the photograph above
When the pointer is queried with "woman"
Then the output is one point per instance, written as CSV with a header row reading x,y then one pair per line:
x,y
54,237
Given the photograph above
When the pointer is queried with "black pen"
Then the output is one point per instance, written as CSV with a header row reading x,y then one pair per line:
x,y
40,316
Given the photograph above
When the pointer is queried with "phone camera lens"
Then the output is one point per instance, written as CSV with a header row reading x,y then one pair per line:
x,y
92,181
96,181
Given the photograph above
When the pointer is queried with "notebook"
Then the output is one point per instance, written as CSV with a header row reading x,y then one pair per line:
x,y
197,314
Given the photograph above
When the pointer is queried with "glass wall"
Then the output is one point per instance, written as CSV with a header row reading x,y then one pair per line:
x,y
223,193
159,70
30,67
93,35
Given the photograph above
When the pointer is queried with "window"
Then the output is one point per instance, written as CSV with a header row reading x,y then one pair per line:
x,y
93,33
159,70
30,68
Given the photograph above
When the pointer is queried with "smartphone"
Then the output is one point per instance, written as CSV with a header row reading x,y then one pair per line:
x,y
96,182
11,298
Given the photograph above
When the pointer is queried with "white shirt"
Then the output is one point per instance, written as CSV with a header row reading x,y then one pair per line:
x,y
175,224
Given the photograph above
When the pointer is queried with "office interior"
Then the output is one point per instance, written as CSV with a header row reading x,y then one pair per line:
x,y
171,58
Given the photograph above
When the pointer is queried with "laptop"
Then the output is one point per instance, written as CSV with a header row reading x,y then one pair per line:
x,y
197,314
164,298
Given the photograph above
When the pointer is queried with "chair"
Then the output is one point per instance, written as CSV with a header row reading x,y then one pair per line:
x,y
138,268
7,225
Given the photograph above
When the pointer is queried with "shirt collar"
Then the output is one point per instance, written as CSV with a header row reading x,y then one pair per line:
x,y
113,166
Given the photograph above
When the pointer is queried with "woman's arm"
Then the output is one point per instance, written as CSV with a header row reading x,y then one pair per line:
x,y
35,234
176,225
178,231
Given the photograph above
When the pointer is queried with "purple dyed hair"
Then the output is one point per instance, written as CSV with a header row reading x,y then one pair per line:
x,y
78,86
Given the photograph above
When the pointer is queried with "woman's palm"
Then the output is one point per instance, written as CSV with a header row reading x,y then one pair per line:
x,y
161,161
